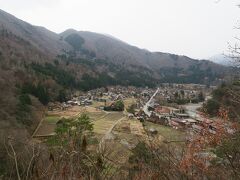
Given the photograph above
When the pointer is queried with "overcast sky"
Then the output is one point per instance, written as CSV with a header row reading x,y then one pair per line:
x,y
196,28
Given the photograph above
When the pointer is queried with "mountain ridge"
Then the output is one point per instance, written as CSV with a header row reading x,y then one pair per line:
x,y
38,36
51,43
132,53
92,46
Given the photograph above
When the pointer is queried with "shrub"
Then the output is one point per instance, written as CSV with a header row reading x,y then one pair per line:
x,y
211,107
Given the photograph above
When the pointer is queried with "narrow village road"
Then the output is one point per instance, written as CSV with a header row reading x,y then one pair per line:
x,y
145,108
192,110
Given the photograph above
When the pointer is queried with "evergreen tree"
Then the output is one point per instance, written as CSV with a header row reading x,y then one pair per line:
x,y
62,97
119,105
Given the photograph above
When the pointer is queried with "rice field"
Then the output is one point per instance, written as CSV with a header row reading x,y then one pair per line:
x,y
102,120
48,125
102,125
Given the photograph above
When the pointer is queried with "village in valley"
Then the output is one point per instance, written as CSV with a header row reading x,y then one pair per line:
x,y
168,112
123,117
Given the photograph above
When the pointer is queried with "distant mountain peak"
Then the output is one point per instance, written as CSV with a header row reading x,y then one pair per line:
x,y
222,59
69,31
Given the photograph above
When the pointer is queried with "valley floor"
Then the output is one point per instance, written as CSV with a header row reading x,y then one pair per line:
x,y
115,133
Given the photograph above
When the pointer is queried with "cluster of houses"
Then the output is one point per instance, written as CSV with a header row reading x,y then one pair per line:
x,y
171,94
105,95
199,87
170,116
79,101
115,91
159,114
177,119
76,101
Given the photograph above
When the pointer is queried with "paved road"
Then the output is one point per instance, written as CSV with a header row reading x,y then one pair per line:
x,y
145,108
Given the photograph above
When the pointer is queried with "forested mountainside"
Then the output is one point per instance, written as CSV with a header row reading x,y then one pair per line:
x,y
162,66
96,58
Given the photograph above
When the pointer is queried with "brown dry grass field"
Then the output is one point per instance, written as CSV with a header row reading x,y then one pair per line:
x,y
126,135
102,120
129,132
167,133
103,124
128,102
48,124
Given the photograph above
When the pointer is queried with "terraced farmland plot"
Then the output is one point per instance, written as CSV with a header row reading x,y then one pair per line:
x,y
102,125
117,152
46,129
167,133
51,119
98,104
71,112
47,126
129,101
113,116
137,128
127,134
94,116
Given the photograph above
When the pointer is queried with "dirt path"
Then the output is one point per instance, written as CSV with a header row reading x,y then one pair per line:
x,y
108,134
38,126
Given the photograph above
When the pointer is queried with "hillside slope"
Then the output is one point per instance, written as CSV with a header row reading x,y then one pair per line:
x,y
44,40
